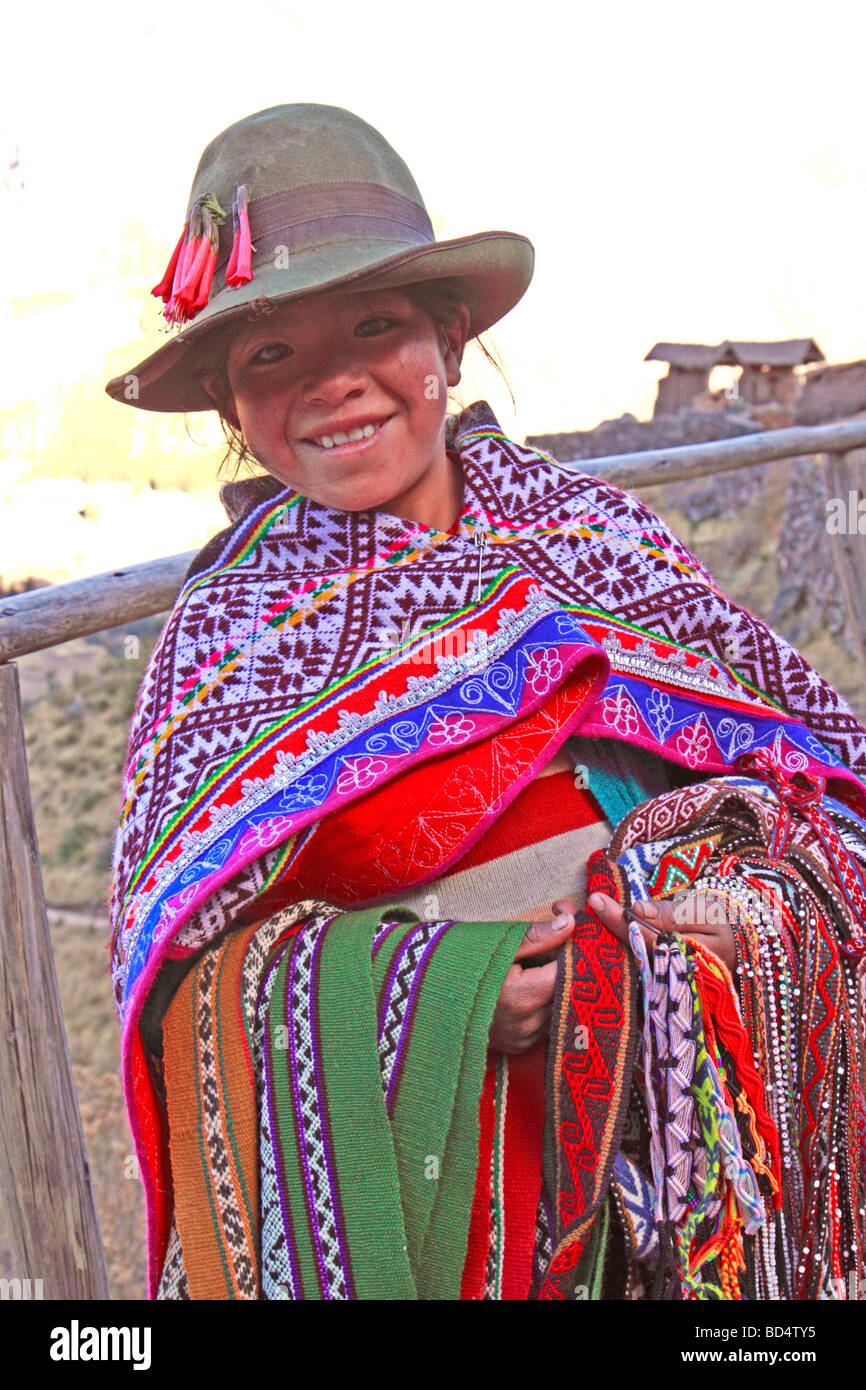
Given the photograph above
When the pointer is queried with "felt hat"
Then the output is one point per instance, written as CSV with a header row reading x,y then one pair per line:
x,y
291,201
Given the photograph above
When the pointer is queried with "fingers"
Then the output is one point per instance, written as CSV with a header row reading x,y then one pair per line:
x,y
688,913
534,1031
525,991
546,936
616,921
516,1030
705,918
698,916
700,911
694,913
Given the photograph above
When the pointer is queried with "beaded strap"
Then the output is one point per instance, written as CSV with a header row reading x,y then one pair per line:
x,y
776,1150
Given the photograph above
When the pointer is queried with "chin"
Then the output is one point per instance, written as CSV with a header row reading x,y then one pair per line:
x,y
374,504
370,498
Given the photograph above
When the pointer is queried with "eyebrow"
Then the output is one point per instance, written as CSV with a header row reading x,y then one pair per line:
x,y
359,300
264,329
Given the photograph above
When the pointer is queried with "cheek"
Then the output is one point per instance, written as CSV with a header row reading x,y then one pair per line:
x,y
416,356
422,379
260,414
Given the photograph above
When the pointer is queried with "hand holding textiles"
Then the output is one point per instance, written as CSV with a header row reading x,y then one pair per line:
x,y
522,1012
699,915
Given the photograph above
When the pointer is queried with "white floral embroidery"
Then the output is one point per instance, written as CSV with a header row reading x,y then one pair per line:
x,y
620,712
360,772
264,833
170,910
739,736
310,792
660,713
694,744
543,669
164,921
451,728
792,761
496,685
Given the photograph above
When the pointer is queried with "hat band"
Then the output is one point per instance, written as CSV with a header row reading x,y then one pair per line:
x,y
320,212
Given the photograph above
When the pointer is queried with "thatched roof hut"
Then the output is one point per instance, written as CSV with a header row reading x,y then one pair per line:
x,y
689,367
767,370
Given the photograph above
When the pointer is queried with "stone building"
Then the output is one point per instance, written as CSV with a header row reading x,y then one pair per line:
x,y
689,367
766,371
768,368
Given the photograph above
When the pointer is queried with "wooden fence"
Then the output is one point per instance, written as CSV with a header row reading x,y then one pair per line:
x,y
44,1176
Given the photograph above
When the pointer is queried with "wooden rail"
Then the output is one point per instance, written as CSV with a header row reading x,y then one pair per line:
x,y
654,466
44,1175
44,617
58,612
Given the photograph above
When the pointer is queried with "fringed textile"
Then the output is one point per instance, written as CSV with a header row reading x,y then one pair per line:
x,y
753,1093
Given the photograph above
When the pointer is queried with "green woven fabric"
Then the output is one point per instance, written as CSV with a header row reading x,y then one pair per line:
x,y
406,1180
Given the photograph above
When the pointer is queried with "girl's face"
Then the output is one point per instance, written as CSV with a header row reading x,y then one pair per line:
x,y
317,369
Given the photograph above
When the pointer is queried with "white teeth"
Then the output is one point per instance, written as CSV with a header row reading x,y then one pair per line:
x,y
328,441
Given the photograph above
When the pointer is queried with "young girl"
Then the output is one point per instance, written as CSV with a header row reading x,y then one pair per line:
x,y
426,719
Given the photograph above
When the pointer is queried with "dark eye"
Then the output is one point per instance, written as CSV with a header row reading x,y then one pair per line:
x,y
378,323
270,352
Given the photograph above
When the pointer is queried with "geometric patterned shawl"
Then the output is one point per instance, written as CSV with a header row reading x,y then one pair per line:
x,y
314,655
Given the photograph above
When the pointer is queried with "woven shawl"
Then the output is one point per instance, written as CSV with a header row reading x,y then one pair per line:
x,y
318,655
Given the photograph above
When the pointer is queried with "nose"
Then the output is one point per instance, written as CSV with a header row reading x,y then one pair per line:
x,y
332,377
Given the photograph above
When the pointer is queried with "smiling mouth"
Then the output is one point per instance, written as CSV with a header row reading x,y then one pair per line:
x,y
354,442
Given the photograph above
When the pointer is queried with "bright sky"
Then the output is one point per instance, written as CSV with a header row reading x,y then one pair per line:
x,y
685,171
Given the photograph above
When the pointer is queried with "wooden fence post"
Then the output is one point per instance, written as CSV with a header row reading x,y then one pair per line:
x,y
44,1174
845,490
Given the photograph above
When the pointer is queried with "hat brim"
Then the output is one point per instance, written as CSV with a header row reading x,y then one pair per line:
x,y
495,269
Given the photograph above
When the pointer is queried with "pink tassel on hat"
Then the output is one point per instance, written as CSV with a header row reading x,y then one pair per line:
x,y
183,262
239,270
177,310
188,291
195,264
236,242
163,290
205,283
